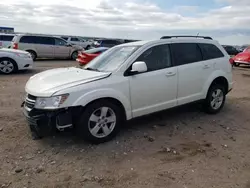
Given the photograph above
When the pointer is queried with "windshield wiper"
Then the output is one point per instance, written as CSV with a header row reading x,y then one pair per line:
x,y
92,69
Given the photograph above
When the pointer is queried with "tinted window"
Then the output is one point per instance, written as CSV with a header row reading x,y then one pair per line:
x,y
157,57
44,40
27,39
37,40
210,51
6,38
65,38
59,42
185,53
75,39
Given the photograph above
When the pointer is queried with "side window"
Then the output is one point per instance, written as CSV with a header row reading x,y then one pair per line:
x,y
44,40
59,42
210,51
75,39
185,53
7,38
157,57
27,39
65,38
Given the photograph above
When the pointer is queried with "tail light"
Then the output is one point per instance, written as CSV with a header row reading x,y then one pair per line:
x,y
231,60
15,46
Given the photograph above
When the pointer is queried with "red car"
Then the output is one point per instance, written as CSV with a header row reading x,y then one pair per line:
x,y
242,58
85,57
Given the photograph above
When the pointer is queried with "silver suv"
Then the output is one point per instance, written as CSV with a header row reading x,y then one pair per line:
x,y
41,46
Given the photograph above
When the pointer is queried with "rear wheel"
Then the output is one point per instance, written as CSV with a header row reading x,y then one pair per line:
x,y
7,66
33,54
100,122
215,99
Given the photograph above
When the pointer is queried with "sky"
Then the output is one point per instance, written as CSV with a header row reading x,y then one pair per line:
x,y
227,21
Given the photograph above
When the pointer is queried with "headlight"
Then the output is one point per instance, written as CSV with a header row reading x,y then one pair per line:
x,y
24,55
50,102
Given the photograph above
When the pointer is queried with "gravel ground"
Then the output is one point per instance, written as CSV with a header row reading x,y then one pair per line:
x,y
179,148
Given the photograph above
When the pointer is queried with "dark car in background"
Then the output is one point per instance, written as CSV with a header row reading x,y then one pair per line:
x,y
109,43
232,51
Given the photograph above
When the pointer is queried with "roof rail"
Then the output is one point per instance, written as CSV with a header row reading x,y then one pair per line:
x,y
169,37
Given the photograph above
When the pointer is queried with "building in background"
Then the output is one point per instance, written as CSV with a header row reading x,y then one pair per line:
x,y
6,29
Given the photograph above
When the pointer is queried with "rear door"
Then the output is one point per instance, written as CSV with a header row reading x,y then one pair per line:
x,y
44,46
61,49
190,66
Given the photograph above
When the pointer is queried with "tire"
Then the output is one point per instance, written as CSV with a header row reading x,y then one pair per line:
x,y
87,48
94,130
74,55
215,99
33,54
8,66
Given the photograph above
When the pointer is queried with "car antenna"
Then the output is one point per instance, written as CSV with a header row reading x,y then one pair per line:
x,y
197,35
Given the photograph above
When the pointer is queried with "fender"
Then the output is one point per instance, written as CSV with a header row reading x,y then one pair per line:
x,y
105,93
212,77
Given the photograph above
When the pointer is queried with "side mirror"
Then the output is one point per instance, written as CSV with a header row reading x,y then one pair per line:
x,y
138,67
69,45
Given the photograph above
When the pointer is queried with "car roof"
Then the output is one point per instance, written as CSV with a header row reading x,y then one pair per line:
x,y
173,40
7,34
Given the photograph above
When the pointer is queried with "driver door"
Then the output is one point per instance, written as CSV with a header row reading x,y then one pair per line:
x,y
61,50
155,89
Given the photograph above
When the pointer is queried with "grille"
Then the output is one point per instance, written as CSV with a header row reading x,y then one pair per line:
x,y
30,101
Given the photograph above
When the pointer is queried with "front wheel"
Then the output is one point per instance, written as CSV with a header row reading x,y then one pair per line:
x,y
215,99
74,55
100,122
7,66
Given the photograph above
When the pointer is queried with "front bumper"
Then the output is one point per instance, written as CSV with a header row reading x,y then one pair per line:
x,y
25,64
44,122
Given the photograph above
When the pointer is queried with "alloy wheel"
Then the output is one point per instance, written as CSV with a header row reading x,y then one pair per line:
x,y
217,99
102,122
6,66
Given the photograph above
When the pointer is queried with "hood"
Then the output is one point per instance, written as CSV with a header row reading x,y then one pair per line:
x,y
13,51
243,56
46,83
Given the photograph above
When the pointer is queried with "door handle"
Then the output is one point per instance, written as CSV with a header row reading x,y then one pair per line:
x,y
170,74
206,67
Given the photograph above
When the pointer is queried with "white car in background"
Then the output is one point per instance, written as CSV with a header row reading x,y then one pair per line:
x,y
78,41
5,40
14,60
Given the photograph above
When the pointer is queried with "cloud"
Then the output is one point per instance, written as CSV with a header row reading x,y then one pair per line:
x,y
114,18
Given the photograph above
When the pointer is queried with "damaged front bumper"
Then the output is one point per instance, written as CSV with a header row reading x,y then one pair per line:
x,y
46,122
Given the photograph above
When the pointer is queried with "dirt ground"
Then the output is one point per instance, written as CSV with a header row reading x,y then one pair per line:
x,y
179,148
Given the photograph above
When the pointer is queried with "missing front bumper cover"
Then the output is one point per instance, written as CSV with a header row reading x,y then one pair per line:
x,y
44,123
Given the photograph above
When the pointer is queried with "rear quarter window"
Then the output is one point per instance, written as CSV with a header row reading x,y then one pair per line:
x,y
210,51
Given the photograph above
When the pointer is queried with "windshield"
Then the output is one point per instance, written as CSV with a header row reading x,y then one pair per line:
x,y
113,58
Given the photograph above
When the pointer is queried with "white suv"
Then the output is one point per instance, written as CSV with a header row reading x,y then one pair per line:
x,y
125,82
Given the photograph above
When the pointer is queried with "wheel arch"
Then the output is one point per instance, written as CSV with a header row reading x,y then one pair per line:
x,y
12,59
112,100
31,50
216,79
112,96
